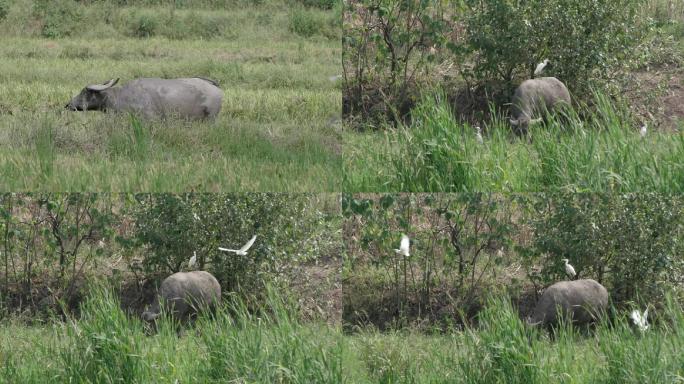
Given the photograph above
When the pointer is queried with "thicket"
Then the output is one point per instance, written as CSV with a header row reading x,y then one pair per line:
x,y
169,228
52,245
482,48
463,246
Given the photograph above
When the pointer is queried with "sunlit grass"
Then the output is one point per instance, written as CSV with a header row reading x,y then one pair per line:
x,y
277,130
501,349
231,345
601,152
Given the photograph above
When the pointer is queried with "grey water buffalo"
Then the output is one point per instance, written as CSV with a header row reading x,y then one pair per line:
x,y
533,98
579,301
189,98
184,293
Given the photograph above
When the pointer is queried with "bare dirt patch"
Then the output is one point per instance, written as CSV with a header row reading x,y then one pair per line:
x,y
658,98
319,290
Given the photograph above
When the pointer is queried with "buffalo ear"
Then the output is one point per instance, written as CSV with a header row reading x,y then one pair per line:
x,y
102,87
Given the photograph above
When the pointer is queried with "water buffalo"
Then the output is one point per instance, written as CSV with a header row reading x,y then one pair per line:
x,y
533,98
580,301
184,293
190,98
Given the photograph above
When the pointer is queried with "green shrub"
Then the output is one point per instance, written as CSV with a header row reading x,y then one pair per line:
x,y
386,51
172,227
60,18
306,23
4,9
629,243
144,26
584,41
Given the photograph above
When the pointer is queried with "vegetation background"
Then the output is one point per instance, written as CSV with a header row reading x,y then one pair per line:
x,y
420,76
78,269
453,310
278,129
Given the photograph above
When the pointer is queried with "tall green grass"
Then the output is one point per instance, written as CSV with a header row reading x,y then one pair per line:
x,y
231,345
272,346
502,349
602,151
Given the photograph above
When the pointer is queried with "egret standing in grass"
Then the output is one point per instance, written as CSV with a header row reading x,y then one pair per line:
x,y
242,251
644,130
640,320
540,67
193,260
478,135
569,270
404,246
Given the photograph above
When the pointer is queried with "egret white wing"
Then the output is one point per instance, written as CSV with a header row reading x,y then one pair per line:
x,y
248,245
404,246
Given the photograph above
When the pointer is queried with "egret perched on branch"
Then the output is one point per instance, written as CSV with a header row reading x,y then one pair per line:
x,y
404,246
540,67
242,251
644,130
640,320
478,135
569,270
193,260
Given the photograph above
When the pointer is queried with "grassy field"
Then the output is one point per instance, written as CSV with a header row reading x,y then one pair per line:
x,y
599,149
502,350
437,153
279,125
105,346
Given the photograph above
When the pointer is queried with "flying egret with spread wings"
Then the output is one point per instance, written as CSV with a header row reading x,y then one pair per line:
x,y
404,246
242,251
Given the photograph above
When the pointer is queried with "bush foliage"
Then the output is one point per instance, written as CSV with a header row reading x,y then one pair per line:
x,y
630,243
171,227
585,41
56,242
391,47
465,245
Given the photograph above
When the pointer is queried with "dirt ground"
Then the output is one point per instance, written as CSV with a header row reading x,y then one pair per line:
x,y
658,98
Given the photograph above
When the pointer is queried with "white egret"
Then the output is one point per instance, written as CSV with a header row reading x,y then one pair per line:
x,y
644,130
640,320
404,246
193,260
242,251
540,67
478,135
569,270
